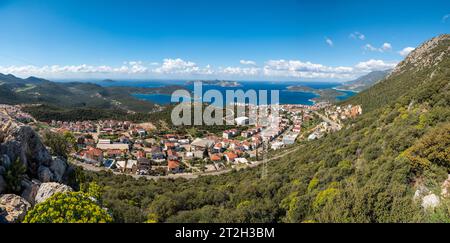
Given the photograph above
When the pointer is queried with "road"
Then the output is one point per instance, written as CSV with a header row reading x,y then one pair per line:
x,y
335,126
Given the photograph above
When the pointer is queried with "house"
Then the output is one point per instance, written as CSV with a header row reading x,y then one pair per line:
x,y
198,154
93,155
114,153
172,155
289,139
115,146
131,167
246,145
229,133
121,165
202,144
276,145
143,166
216,157
230,156
315,135
217,148
141,133
242,121
183,141
173,166
297,128
104,141
168,146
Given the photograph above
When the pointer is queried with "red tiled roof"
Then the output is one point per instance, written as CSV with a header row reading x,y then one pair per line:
x,y
172,164
215,157
231,155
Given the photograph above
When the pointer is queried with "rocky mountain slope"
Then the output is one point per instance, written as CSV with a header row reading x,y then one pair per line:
x,y
424,69
365,82
74,95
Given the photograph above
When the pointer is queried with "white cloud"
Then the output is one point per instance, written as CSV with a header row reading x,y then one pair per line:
x,y
272,69
384,48
248,62
357,35
374,65
369,47
300,69
405,52
445,18
177,66
329,41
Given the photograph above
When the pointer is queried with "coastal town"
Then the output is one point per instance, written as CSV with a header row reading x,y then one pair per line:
x,y
139,149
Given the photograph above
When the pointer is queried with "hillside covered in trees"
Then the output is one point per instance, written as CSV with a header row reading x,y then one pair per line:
x,y
368,172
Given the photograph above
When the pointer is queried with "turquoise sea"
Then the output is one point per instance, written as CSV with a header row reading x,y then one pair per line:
x,y
285,96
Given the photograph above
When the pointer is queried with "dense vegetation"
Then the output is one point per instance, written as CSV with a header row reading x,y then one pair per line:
x,y
70,207
48,113
367,172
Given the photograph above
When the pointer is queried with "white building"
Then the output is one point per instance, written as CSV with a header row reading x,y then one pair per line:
x,y
242,121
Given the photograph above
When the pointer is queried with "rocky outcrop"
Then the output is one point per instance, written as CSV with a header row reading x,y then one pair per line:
x,y
429,54
20,142
430,202
13,208
47,190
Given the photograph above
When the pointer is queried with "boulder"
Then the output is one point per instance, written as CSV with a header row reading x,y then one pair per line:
x,y
13,208
445,188
30,190
47,190
44,174
58,167
430,202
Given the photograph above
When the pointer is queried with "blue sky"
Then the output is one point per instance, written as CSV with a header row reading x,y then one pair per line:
x,y
240,40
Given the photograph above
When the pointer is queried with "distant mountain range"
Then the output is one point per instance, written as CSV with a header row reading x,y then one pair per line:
x,y
365,82
75,95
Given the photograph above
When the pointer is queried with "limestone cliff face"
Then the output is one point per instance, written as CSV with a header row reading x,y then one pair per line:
x,y
428,55
20,142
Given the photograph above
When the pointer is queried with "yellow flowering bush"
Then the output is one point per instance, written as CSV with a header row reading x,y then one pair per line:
x,y
71,207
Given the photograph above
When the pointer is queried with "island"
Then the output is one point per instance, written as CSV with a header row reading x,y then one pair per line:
x,y
324,95
221,83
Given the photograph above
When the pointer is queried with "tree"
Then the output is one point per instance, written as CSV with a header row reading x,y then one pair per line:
x,y
71,207
14,174
60,144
